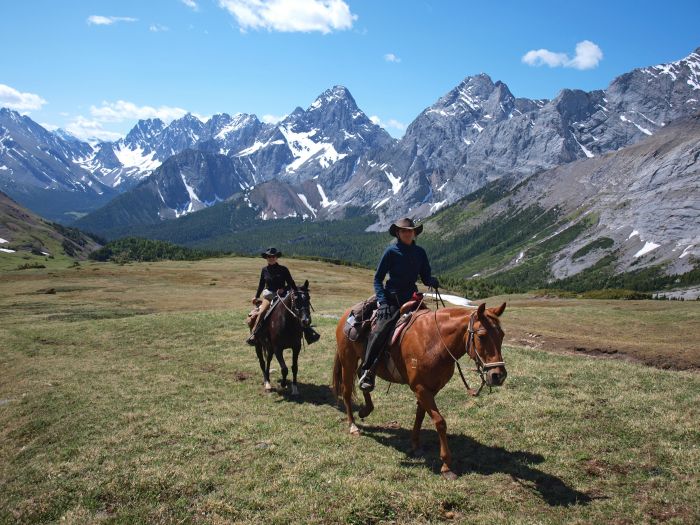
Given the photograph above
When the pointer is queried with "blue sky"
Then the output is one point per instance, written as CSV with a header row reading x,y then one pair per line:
x,y
95,68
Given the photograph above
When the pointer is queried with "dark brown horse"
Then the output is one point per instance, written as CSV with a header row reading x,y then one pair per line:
x,y
284,329
425,360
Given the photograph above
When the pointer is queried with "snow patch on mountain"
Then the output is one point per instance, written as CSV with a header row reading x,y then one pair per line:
x,y
325,203
648,246
303,149
136,158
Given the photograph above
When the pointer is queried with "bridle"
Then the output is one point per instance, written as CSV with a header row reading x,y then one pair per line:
x,y
294,309
482,367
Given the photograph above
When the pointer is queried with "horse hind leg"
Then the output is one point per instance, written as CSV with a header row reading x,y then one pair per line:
x,y
264,366
268,360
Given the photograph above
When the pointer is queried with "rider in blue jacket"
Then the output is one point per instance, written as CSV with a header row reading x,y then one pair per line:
x,y
403,261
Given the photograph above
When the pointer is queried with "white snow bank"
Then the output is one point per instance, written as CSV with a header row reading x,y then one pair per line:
x,y
453,299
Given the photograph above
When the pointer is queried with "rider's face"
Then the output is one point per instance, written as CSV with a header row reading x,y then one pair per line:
x,y
406,235
271,259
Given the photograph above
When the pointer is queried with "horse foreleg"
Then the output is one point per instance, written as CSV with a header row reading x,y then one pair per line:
x,y
427,400
295,369
367,409
415,434
283,366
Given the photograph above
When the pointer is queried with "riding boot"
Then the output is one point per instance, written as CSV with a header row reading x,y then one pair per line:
x,y
311,335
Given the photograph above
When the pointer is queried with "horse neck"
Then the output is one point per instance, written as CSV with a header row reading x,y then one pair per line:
x,y
454,337
288,316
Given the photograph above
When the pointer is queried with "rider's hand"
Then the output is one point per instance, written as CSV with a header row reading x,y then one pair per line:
x,y
255,300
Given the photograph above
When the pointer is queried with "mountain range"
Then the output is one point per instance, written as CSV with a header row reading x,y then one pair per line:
x,y
330,161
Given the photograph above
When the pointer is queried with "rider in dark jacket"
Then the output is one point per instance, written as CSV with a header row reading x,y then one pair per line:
x,y
274,279
404,261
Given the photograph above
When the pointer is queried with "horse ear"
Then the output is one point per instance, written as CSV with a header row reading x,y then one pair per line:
x,y
306,284
480,310
498,311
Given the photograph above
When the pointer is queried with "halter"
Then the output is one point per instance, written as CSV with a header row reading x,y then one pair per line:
x,y
482,367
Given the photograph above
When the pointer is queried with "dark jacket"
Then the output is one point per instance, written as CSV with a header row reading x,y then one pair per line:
x,y
404,263
273,277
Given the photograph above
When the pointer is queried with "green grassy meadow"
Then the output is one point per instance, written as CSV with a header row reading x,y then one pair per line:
x,y
127,395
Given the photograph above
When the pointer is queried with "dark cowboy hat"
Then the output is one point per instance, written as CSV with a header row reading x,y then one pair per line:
x,y
407,224
271,252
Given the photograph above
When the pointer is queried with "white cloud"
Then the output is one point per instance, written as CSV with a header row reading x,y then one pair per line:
x,y
157,28
98,20
324,16
13,99
391,57
588,56
272,119
391,123
50,127
191,4
86,129
122,110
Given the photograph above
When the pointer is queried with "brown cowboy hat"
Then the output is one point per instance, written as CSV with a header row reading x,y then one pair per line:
x,y
271,252
406,224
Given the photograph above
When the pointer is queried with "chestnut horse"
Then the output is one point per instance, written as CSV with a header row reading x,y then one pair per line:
x,y
425,360
284,329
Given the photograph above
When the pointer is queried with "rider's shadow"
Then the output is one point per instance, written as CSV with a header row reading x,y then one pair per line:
x,y
469,455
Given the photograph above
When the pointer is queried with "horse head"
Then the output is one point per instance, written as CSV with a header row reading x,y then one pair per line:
x,y
302,304
486,338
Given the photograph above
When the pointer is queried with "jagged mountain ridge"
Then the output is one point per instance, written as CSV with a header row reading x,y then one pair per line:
x,y
480,132
476,133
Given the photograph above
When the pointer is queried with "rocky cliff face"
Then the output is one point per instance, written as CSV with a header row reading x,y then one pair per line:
x,y
479,132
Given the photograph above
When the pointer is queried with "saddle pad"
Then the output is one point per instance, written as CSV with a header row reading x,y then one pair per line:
x,y
405,321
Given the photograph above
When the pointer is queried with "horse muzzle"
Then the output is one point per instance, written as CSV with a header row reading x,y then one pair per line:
x,y
496,376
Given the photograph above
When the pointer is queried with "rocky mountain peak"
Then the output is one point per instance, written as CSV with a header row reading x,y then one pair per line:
x,y
145,131
337,95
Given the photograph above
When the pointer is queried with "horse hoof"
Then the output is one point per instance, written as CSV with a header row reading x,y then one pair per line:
x,y
354,430
365,411
418,452
449,475
268,387
295,390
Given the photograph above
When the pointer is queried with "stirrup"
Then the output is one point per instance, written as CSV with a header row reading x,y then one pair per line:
x,y
311,336
251,340
367,381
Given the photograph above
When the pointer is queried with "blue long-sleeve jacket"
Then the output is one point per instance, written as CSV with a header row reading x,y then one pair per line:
x,y
404,263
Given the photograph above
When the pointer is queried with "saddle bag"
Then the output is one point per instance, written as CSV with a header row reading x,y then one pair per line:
x,y
359,322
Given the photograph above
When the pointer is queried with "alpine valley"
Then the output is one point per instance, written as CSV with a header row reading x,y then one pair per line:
x,y
513,189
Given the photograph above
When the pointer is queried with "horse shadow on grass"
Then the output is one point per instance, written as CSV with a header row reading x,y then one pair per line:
x,y
468,455
319,395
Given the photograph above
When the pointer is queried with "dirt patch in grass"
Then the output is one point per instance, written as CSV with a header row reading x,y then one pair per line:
x,y
661,334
